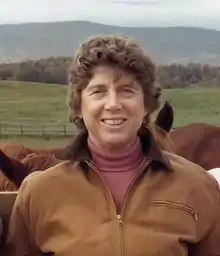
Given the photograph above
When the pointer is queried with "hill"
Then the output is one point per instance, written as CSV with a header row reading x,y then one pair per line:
x,y
167,45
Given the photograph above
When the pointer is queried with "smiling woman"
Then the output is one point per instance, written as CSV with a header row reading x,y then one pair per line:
x,y
112,110
118,191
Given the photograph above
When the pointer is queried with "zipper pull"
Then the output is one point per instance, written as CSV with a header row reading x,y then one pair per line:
x,y
119,219
196,216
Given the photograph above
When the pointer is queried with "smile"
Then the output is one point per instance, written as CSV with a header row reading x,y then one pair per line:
x,y
113,122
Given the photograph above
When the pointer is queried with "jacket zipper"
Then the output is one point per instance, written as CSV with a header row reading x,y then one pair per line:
x,y
120,216
176,205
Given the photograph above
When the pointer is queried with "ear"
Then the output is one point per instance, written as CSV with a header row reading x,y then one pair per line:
x,y
165,117
14,170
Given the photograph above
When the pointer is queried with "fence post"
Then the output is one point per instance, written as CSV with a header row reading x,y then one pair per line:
x,y
38,130
64,130
22,131
42,129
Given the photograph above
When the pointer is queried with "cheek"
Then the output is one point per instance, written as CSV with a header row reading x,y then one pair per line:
x,y
89,110
137,107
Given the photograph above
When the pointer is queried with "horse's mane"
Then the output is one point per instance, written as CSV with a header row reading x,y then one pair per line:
x,y
161,135
14,171
15,150
41,162
163,138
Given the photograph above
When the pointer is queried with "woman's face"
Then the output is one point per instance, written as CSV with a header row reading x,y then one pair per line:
x,y
112,108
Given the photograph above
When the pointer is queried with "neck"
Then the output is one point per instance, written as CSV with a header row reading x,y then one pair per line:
x,y
109,160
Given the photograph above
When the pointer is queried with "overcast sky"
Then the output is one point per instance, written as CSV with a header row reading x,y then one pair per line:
x,y
202,13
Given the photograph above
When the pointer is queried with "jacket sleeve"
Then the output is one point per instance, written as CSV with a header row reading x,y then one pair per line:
x,y
18,241
210,244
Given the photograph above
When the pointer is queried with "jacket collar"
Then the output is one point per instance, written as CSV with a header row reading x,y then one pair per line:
x,y
78,149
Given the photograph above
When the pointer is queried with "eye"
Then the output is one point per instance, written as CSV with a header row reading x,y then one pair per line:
x,y
98,91
128,90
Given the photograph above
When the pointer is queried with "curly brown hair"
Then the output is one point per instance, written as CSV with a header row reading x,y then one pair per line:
x,y
122,52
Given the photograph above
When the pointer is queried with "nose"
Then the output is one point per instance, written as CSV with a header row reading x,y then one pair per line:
x,y
113,102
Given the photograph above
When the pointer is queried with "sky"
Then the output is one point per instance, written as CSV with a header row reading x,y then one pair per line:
x,y
147,13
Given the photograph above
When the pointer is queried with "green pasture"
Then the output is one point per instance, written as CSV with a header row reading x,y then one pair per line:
x,y
195,105
35,103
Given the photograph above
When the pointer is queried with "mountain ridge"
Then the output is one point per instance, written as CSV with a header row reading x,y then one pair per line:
x,y
166,45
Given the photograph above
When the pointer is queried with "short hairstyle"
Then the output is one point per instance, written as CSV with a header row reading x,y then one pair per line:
x,y
122,52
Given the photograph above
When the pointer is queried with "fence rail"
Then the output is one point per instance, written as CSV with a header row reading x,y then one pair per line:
x,y
41,130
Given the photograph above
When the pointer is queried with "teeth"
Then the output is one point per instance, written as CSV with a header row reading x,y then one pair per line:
x,y
113,122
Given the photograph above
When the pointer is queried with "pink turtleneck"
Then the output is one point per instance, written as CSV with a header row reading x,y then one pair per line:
x,y
118,171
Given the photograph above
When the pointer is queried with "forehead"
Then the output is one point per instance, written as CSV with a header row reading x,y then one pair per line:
x,y
107,75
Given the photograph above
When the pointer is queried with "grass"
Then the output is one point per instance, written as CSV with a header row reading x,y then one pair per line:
x,y
195,105
35,103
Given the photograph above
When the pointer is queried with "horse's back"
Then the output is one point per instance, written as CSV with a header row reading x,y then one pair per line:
x,y
15,150
199,143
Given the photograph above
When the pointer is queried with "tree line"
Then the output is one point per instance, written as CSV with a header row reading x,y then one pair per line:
x,y
54,70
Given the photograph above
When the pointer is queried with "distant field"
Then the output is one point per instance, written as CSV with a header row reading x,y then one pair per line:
x,y
195,105
25,102
33,103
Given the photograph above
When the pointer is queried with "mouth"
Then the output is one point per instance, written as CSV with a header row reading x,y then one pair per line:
x,y
114,122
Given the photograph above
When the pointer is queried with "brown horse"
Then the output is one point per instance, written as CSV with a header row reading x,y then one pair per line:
x,y
10,171
199,143
13,171
17,150
17,161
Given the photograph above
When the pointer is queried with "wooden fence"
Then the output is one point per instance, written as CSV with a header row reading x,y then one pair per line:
x,y
40,130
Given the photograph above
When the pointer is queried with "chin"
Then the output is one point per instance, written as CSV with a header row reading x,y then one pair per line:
x,y
115,141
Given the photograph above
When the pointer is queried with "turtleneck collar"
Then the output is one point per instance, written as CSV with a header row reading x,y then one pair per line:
x,y
77,150
126,161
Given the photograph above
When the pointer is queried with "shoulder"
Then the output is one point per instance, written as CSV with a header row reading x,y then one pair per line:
x,y
42,189
192,175
40,182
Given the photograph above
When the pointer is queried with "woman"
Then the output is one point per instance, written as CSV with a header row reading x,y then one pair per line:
x,y
117,192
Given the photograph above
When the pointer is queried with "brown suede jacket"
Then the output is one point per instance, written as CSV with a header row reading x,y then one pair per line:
x,y
171,209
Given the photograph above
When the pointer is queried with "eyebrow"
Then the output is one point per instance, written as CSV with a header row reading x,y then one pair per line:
x,y
95,86
131,85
